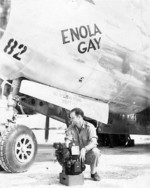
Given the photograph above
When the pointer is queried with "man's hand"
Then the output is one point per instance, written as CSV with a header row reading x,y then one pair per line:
x,y
67,142
82,154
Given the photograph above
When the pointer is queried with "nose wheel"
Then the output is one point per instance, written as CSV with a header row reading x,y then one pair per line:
x,y
24,148
18,149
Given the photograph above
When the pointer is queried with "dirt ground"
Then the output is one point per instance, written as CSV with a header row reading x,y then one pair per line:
x,y
119,167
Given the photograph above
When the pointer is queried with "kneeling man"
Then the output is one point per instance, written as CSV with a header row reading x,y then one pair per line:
x,y
83,134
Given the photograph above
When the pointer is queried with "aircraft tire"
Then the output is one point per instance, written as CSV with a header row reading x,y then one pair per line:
x,y
122,139
18,148
1,169
118,139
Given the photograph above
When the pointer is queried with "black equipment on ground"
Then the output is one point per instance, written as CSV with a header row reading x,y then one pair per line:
x,y
71,163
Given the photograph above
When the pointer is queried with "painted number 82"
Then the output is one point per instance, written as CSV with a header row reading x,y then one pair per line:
x,y
15,49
